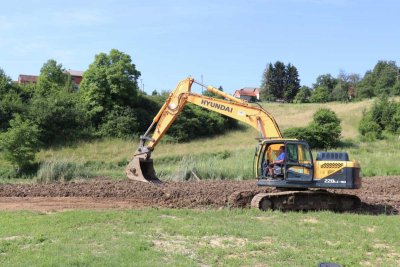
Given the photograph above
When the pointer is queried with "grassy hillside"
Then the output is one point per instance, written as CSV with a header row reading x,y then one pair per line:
x,y
293,115
225,156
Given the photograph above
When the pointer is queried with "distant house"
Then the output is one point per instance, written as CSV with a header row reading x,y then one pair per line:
x,y
76,77
24,79
248,93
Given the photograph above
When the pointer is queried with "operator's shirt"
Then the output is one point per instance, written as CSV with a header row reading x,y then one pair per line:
x,y
281,156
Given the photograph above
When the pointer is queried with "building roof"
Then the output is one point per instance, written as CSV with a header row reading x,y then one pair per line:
x,y
75,73
248,91
22,78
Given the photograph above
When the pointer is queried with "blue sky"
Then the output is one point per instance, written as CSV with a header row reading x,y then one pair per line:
x,y
229,43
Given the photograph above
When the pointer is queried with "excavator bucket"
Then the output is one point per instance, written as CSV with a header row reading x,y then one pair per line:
x,y
141,169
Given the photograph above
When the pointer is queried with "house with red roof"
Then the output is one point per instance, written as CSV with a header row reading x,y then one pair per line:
x,y
24,79
248,93
76,77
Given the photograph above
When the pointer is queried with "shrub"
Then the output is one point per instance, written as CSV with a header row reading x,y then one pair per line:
x,y
323,132
196,122
326,116
59,115
20,142
120,122
384,115
369,128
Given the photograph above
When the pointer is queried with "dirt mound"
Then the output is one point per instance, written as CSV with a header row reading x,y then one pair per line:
x,y
379,194
171,194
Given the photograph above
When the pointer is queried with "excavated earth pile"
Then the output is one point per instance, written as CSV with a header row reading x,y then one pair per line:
x,y
379,195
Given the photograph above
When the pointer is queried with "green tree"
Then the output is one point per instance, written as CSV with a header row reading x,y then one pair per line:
x,y
327,81
110,81
320,95
292,85
120,122
10,104
303,96
60,116
267,84
340,92
53,77
385,74
20,142
384,115
369,128
396,87
13,100
342,88
280,82
381,80
5,83
366,87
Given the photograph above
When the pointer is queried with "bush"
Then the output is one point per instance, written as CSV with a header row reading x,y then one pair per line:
x,y
20,142
323,132
120,122
369,128
60,117
384,115
196,122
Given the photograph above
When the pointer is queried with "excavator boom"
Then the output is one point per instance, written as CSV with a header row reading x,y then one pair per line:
x,y
141,168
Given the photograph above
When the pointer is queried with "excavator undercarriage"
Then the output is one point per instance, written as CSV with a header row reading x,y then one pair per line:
x,y
305,200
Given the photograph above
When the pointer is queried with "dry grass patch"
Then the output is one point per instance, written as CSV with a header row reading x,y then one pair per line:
x,y
371,229
311,220
164,216
174,244
225,242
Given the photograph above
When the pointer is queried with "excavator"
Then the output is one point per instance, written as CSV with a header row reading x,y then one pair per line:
x,y
300,183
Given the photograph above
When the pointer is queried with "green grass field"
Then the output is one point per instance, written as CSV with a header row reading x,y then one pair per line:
x,y
225,237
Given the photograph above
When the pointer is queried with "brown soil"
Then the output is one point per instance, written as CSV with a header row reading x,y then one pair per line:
x,y
379,195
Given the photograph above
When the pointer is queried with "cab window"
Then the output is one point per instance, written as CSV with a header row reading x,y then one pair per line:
x,y
291,153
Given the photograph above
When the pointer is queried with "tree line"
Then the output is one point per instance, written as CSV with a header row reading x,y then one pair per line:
x,y
281,83
108,103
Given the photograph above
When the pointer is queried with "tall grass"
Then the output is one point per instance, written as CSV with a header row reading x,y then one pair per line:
x,y
61,170
221,165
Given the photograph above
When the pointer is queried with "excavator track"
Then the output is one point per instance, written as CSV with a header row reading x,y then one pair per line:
x,y
305,200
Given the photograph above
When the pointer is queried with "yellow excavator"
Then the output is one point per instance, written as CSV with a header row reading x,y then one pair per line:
x,y
301,181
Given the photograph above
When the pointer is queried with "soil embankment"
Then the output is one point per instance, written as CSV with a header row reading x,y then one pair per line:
x,y
379,195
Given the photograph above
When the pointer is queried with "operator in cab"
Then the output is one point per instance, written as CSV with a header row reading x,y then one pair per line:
x,y
280,161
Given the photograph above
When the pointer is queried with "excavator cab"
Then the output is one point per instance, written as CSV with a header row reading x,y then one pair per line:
x,y
297,167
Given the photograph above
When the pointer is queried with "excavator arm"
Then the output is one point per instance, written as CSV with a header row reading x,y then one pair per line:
x,y
141,166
